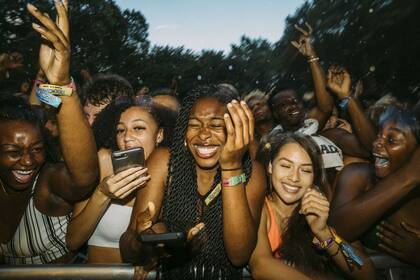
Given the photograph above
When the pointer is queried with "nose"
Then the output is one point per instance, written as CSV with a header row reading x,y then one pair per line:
x,y
26,159
378,143
294,175
204,133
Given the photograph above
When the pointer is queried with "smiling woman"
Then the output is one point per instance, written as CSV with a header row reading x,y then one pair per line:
x,y
206,186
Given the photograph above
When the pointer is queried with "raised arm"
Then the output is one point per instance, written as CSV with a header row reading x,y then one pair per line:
x,y
241,203
353,200
339,81
75,177
324,102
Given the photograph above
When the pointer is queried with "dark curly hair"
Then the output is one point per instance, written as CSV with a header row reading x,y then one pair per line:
x,y
110,116
183,206
104,88
297,238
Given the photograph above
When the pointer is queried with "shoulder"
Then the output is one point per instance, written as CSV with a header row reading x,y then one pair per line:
x,y
356,170
160,156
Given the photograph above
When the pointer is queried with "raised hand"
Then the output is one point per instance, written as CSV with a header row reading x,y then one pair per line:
x,y
304,44
402,241
120,185
339,81
315,207
54,53
240,133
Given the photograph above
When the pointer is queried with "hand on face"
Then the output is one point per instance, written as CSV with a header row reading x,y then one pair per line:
x,y
304,45
54,54
240,133
402,241
120,185
315,207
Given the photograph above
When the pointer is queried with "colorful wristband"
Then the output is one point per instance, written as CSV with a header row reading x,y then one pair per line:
x,y
235,180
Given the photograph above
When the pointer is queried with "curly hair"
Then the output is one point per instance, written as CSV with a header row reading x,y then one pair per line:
x,y
111,114
104,88
297,238
183,206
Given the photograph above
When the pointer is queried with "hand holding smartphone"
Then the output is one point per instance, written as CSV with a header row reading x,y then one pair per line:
x,y
169,239
124,159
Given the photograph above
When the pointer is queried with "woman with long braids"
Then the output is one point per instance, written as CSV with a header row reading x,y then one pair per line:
x,y
206,185
294,240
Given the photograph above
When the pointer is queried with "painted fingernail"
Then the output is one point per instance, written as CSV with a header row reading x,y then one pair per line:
x,y
229,105
226,115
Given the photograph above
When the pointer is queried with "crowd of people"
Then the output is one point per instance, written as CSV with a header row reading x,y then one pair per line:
x,y
255,180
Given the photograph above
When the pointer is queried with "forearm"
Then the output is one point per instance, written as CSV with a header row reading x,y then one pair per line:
x,y
361,124
77,142
372,205
239,227
324,100
366,271
83,224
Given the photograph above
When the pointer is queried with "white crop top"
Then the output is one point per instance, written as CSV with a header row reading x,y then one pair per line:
x,y
113,224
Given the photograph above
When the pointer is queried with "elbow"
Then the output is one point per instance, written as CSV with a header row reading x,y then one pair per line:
x,y
239,257
257,268
72,244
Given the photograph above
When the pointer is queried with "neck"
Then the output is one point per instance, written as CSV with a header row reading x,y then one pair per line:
x,y
205,178
285,210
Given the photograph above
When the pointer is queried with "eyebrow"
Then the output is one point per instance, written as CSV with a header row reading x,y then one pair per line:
x,y
14,145
211,118
136,120
306,164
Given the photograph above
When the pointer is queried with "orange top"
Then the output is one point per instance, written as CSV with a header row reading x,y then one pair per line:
x,y
274,235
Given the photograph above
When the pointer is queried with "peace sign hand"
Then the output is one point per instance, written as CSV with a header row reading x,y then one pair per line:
x,y
54,53
304,44
240,133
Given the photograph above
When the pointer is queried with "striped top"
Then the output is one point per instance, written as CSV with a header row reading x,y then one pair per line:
x,y
38,239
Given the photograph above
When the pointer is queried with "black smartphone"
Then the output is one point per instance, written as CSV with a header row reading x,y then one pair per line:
x,y
124,159
170,239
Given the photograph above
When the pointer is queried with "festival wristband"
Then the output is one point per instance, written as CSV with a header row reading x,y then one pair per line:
x,y
323,245
57,90
45,97
350,256
235,180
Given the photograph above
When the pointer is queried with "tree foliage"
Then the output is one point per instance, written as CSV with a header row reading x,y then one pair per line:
x,y
376,39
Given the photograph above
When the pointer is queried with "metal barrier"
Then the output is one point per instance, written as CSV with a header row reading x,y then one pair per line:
x,y
389,268
75,272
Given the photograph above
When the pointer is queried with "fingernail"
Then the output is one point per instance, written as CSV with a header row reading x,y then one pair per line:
x,y
230,105
234,101
226,115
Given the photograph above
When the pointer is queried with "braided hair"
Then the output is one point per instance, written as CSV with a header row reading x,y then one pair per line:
x,y
297,238
183,206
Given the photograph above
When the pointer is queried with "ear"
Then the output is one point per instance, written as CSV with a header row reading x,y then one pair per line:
x,y
270,168
159,137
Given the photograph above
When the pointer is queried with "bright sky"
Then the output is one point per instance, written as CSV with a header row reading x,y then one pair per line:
x,y
212,24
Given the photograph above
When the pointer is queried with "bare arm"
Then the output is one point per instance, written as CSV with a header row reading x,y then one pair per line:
x,y
339,81
324,101
352,199
75,178
153,192
241,210
264,265
241,203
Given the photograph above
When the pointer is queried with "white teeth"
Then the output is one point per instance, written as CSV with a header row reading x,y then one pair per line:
x,y
22,172
381,162
290,188
206,149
